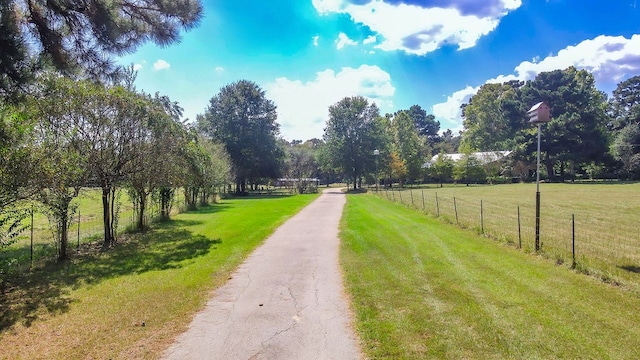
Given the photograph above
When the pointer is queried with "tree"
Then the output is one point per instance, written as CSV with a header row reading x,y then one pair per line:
x,y
110,128
244,120
493,116
155,163
301,164
626,149
468,168
426,125
352,132
448,143
63,166
16,169
625,103
625,110
206,167
442,168
576,134
80,35
408,145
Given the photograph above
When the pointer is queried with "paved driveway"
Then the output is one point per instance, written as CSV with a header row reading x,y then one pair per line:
x,y
286,301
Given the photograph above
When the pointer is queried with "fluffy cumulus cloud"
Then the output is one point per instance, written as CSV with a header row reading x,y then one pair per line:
x,y
416,29
610,59
161,65
343,40
303,106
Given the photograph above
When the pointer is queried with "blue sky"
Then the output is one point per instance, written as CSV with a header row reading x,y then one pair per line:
x,y
309,54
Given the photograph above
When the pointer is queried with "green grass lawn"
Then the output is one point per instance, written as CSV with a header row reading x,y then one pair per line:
x,y
94,307
606,213
423,289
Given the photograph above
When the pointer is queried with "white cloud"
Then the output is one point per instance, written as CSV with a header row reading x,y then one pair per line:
x,y
303,106
161,65
343,40
137,67
449,112
610,59
370,40
315,40
420,30
219,69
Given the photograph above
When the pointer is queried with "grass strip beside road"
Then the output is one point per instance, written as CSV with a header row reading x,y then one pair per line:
x,y
130,302
422,289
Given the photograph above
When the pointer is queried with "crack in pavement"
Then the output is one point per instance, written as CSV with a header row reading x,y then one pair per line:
x,y
295,274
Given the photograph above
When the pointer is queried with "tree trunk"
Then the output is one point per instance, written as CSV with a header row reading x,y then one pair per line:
x,y
64,237
549,164
106,218
113,224
142,207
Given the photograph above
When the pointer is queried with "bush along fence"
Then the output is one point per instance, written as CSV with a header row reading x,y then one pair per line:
x,y
588,245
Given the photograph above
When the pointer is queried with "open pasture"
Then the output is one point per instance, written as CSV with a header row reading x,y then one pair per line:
x,y
607,236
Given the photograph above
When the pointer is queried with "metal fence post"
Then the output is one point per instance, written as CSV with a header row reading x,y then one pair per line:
x,y
573,240
32,236
481,218
519,232
455,208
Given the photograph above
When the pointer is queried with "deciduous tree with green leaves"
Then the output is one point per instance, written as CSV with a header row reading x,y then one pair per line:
x,y
354,129
63,165
242,118
576,134
442,168
625,110
16,169
409,146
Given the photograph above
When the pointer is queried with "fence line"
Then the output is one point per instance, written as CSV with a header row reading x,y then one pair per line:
x,y
37,241
577,239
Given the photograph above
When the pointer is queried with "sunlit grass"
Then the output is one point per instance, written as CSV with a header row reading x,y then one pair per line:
x,y
130,302
422,289
606,213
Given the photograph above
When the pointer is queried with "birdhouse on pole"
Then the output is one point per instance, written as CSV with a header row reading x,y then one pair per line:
x,y
539,113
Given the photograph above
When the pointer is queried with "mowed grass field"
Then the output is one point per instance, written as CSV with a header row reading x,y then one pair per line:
x,y
422,289
130,302
607,237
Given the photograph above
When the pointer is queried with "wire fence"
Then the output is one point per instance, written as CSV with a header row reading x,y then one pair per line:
x,y
575,237
37,243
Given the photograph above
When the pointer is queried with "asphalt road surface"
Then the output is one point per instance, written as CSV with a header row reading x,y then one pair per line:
x,y
286,301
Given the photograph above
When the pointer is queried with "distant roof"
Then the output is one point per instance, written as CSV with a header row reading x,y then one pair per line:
x,y
485,157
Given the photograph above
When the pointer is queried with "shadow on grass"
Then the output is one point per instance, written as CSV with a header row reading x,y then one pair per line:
x,y
631,268
260,197
47,290
209,209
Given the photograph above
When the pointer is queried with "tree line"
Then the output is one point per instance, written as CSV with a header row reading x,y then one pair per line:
x,y
589,136
68,134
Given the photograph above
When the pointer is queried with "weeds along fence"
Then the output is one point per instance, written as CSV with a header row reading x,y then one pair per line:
x,y
568,236
36,244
